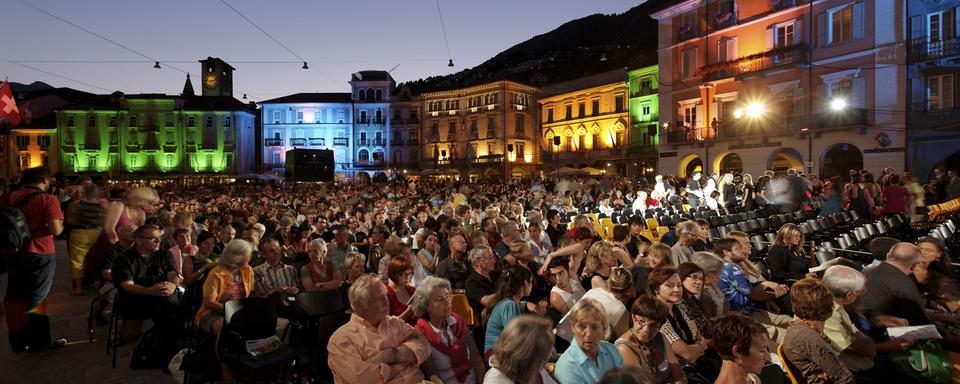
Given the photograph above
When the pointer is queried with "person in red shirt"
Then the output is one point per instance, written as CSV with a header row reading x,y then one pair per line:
x,y
31,268
896,197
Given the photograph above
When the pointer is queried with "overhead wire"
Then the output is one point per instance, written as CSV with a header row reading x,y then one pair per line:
x,y
57,75
443,28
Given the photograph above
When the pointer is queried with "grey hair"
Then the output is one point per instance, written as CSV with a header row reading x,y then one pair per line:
x,y
841,280
352,258
904,253
592,307
708,261
236,252
506,227
421,297
362,289
688,226
318,244
477,252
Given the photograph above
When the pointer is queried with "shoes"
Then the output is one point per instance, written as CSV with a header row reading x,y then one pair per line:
x,y
53,345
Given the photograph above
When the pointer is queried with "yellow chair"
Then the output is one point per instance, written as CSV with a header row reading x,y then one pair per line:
x,y
686,208
607,225
461,306
652,223
786,365
649,235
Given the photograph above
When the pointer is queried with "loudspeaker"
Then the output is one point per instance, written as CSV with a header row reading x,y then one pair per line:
x,y
310,165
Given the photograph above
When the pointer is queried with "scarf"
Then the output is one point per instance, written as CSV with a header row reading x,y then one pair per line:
x,y
458,348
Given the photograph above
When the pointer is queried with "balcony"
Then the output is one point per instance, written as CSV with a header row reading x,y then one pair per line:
x,y
379,142
774,58
921,116
370,164
317,142
413,120
643,92
379,121
363,142
413,142
396,142
848,118
687,31
495,158
298,142
723,20
170,148
363,121
274,142
341,141
922,49
131,148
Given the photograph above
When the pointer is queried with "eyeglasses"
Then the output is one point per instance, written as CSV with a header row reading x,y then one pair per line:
x,y
643,324
695,277
153,239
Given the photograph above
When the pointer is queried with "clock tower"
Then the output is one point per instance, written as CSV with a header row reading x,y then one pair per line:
x,y
216,77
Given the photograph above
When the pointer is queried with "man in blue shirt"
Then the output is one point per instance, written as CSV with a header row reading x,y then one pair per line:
x,y
743,296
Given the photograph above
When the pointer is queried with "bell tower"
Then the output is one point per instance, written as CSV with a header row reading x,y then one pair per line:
x,y
217,77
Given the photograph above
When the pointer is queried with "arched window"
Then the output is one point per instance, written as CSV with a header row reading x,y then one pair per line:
x,y
364,156
369,94
414,156
379,95
378,156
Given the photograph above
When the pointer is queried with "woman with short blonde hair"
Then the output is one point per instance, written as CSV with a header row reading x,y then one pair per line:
x,y
522,352
590,329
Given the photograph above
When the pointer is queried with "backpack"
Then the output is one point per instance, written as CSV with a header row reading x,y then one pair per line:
x,y
12,216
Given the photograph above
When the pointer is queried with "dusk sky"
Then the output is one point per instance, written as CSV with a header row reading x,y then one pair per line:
x,y
337,38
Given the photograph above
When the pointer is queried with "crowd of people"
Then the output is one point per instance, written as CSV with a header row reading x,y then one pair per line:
x,y
501,282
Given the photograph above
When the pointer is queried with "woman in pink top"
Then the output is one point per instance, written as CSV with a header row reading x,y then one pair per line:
x,y
183,252
896,197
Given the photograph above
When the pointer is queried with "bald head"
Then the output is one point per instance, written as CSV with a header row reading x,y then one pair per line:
x,y
904,254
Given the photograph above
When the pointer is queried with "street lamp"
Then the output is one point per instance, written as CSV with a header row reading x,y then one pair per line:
x,y
838,104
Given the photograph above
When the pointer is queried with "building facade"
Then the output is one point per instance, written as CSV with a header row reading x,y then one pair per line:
x,y
748,86
405,113
488,131
33,143
371,92
933,72
160,136
585,123
308,120
644,134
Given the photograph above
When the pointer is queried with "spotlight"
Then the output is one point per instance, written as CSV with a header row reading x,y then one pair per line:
x,y
737,113
755,110
838,104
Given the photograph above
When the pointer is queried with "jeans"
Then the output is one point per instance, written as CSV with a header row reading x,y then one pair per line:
x,y
30,278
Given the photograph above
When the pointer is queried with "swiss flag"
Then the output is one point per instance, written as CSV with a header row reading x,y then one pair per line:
x,y
8,106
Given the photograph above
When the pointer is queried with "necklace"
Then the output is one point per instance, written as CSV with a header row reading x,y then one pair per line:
x,y
811,326
236,277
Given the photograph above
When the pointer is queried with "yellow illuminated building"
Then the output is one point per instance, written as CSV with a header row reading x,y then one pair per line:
x,y
488,131
32,147
585,123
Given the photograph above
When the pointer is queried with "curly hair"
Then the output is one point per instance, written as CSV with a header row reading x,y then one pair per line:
x,y
811,299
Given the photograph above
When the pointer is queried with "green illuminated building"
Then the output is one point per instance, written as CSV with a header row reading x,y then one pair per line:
x,y
160,136
644,138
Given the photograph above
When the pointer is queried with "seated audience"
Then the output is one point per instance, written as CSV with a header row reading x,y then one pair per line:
x,y
453,352
515,282
643,345
743,345
787,261
454,268
320,274
480,287
374,345
522,353
681,331
147,279
566,290
805,346
231,279
741,295
711,299
935,275
692,280
399,289
274,277
589,354
857,351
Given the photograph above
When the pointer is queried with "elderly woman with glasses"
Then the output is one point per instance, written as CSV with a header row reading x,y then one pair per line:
x,y
589,355
643,345
453,352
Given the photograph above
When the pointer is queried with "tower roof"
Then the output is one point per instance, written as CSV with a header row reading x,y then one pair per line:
x,y
214,60
187,87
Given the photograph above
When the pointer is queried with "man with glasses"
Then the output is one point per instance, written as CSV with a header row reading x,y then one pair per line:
x,y
148,281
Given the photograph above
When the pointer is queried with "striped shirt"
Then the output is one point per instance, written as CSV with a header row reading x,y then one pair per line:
x,y
267,278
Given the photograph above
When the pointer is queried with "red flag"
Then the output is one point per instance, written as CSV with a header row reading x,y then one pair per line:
x,y
8,106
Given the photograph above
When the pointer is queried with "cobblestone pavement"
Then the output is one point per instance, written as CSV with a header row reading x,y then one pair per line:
x,y
80,361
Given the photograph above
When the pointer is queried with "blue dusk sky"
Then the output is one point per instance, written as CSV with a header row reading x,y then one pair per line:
x,y
337,38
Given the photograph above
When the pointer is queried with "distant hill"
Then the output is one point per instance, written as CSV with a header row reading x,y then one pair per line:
x,y
35,86
572,50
